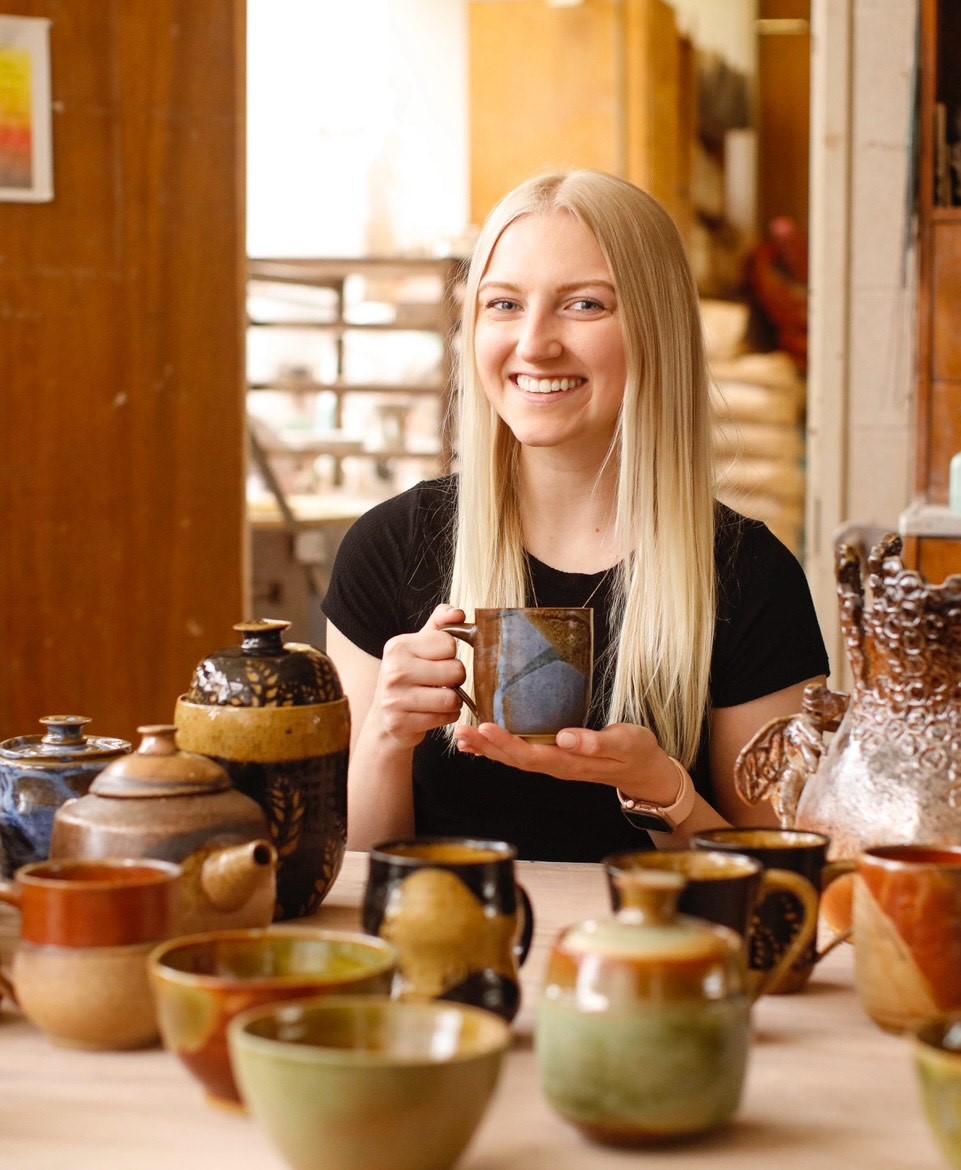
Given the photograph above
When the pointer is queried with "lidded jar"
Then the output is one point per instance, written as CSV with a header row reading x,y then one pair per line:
x,y
643,1023
274,716
37,774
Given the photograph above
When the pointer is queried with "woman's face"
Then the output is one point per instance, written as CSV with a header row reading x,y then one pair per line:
x,y
548,343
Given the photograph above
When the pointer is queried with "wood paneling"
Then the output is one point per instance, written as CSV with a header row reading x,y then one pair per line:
x,y
121,368
783,115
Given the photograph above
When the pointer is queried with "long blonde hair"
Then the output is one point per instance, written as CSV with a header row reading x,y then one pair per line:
x,y
665,599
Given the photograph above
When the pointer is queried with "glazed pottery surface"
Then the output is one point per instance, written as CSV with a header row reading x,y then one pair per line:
x,y
892,771
643,1024
937,1060
274,716
454,912
37,774
368,1084
791,911
201,982
907,929
532,669
87,927
178,806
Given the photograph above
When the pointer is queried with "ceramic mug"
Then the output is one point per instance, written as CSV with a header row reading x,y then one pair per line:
x,y
726,889
781,916
907,926
533,669
86,929
453,911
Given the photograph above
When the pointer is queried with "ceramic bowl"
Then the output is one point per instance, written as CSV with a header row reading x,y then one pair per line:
x,y
200,982
937,1059
365,1083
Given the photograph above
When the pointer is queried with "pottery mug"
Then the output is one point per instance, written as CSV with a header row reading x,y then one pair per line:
x,y
532,669
781,915
453,911
907,927
726,889
86,929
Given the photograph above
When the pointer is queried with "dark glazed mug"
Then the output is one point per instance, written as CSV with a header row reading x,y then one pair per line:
x,y
460,923
533,669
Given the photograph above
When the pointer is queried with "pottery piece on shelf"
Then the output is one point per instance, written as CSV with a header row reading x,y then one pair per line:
x,y
892,771
37,774
181,807
275,717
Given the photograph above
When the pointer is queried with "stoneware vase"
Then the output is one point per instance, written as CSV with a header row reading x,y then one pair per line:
x,y
275,717
643,1024
892,771
178,806
37,774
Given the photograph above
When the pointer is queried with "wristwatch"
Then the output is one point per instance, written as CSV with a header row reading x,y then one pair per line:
x,y
659,818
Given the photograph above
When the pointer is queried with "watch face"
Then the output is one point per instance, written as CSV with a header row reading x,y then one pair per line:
x,y
649,818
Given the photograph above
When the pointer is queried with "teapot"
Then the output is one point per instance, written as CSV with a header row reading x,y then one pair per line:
x,y
643,1024
176,806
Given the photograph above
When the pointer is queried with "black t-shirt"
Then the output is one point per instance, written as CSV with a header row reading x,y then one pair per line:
x,y
391,571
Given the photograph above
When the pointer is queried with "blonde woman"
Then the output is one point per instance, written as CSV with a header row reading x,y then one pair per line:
x,y
586,479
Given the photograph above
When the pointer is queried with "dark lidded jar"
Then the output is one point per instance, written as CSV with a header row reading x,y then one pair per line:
x,y
275,717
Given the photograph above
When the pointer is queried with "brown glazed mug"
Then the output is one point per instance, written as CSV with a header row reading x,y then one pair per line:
x,y
780,916
453,911
86,929
907,927
723,888
533,669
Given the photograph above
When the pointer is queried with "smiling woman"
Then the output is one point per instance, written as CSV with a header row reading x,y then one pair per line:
x,y
585,472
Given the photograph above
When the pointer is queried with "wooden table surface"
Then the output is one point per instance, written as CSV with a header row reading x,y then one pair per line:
x,y
826,1089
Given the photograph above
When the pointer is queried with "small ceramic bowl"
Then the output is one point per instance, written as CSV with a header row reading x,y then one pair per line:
x,y
201,981
366,1082
937,1059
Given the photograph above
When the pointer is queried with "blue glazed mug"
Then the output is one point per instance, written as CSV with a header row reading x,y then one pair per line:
x,y
532,669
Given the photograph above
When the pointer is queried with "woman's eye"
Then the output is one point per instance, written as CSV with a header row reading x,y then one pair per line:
x,y
501,305
587,305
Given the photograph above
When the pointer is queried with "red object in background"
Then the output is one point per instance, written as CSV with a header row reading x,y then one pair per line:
x,y
778,278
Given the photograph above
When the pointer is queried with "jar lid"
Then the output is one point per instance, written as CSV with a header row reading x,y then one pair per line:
x,y
63,742
159,768
264,671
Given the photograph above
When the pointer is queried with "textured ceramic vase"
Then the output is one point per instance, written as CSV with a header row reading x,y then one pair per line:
x,y
643,1024
37,774
892,771
275,717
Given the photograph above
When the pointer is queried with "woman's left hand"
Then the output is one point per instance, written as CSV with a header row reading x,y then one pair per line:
x,y
622,755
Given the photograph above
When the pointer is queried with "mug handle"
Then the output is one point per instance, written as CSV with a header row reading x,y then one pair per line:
x,y
786,881
464,632
840,870
525,933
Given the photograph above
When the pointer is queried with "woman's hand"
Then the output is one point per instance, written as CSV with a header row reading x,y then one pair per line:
x,y
623,755
414,692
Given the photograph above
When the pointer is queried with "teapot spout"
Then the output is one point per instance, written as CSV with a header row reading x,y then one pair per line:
x,y
232,876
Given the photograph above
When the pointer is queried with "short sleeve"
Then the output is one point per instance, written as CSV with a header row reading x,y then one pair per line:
x,y
767,635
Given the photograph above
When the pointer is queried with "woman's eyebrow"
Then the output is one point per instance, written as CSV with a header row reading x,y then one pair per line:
x,y
571,286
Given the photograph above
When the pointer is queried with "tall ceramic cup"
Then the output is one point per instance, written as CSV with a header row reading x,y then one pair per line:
x,y
532,669
726,889
86,929
781,915
907,930
460,923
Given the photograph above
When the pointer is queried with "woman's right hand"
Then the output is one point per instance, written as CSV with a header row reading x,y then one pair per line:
x,y
418,672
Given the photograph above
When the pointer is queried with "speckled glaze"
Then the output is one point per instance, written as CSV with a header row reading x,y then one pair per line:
x,y
274,716
38,773
643,1024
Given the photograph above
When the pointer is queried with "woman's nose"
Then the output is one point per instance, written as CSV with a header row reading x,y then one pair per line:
x,y
539,338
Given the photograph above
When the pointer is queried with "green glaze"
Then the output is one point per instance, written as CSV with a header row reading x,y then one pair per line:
x,y
938,1067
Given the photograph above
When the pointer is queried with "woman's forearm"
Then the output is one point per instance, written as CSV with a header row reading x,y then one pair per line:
x,y
380,799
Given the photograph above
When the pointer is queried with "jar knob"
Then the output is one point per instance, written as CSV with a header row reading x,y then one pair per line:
x,y
64,730
159,739
263,637
649,896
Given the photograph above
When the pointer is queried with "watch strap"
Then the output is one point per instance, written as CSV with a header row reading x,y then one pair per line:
x,y
659,818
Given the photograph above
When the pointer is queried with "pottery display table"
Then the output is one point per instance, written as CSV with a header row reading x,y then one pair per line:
x,y
825,1087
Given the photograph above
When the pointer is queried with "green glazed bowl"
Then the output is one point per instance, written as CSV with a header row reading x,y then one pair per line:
x,y
937,1059
366,1082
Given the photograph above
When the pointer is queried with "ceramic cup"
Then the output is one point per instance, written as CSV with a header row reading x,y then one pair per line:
x,y
937,1062
907,929
726,889
87,927
202,981
460,923
781,916
532,669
